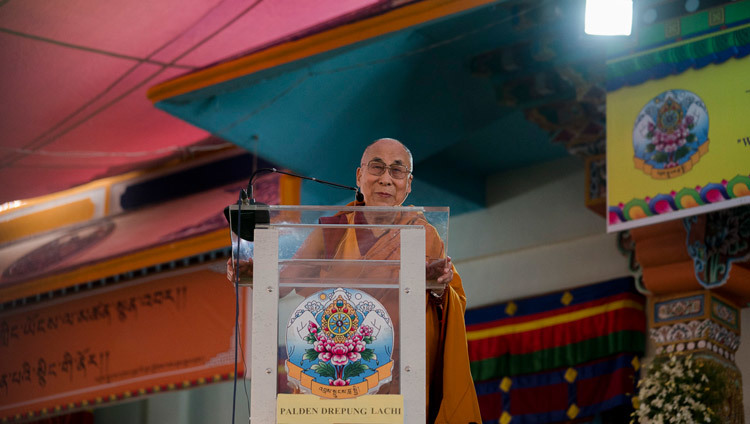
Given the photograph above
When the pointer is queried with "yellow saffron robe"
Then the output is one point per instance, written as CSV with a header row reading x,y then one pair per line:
x,y
451,397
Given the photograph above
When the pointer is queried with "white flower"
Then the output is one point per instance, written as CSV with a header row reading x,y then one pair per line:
x,y
672,391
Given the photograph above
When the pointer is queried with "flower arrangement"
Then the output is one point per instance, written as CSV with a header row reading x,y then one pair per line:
x,y
339,359
681,389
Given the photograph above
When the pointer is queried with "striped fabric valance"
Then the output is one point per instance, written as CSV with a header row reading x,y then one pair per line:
x,y
560,395
673,60
562,355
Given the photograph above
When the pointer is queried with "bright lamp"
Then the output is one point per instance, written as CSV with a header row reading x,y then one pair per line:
x,y
609,17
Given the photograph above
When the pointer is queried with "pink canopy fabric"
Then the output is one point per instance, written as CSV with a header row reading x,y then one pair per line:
x,y
74,76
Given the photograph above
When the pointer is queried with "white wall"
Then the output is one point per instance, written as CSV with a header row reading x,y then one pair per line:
x,y
535,236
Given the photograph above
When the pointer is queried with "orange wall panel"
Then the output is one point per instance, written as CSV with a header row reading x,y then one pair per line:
x,y
147,335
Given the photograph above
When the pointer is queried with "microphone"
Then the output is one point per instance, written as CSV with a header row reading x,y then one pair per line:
x,y
249,218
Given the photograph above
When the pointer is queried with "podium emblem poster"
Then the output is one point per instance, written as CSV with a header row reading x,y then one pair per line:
x,y
339,344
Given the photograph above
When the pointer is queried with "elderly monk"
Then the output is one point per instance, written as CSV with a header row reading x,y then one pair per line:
x,y
384,178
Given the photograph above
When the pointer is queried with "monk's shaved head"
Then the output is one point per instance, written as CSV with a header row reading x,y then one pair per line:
x,y
377,183
365,154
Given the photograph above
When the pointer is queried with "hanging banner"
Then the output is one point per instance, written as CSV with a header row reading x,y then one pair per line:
x,y
557,330
560,356
679,145
153,334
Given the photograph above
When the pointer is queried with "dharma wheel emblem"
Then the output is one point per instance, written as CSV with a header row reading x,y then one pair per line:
x,y
670,134
339,320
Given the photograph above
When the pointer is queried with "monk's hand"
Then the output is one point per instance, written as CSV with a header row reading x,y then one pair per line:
x,y
441,271
245,269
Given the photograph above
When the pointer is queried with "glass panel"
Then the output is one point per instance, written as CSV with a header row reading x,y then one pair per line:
x,y
338,333
309,238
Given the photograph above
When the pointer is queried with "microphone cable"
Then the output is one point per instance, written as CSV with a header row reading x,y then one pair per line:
x,y
236,259
242,199
249,189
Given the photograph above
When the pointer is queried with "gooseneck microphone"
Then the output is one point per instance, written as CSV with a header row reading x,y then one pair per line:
x,y
243,224
249,218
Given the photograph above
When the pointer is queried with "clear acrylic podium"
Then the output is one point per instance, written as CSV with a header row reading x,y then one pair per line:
x,y
338,303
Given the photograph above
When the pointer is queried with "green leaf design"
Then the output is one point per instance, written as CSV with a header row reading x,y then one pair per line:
x,y
354,369
368,355
310,355
682,152
690,138
310,338
660,157
367,339
650,147
324,369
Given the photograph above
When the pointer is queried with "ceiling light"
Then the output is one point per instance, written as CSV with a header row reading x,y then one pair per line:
x,y
609,17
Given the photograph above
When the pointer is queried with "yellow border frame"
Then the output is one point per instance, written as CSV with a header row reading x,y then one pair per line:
x,y
344,35
168,252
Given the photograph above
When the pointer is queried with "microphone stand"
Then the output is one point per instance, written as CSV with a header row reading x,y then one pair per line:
x,y
244,226
251,217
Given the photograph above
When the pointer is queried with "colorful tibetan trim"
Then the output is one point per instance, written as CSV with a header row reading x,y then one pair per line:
x,y
695,322
75,407
738,186
676,60
715,241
